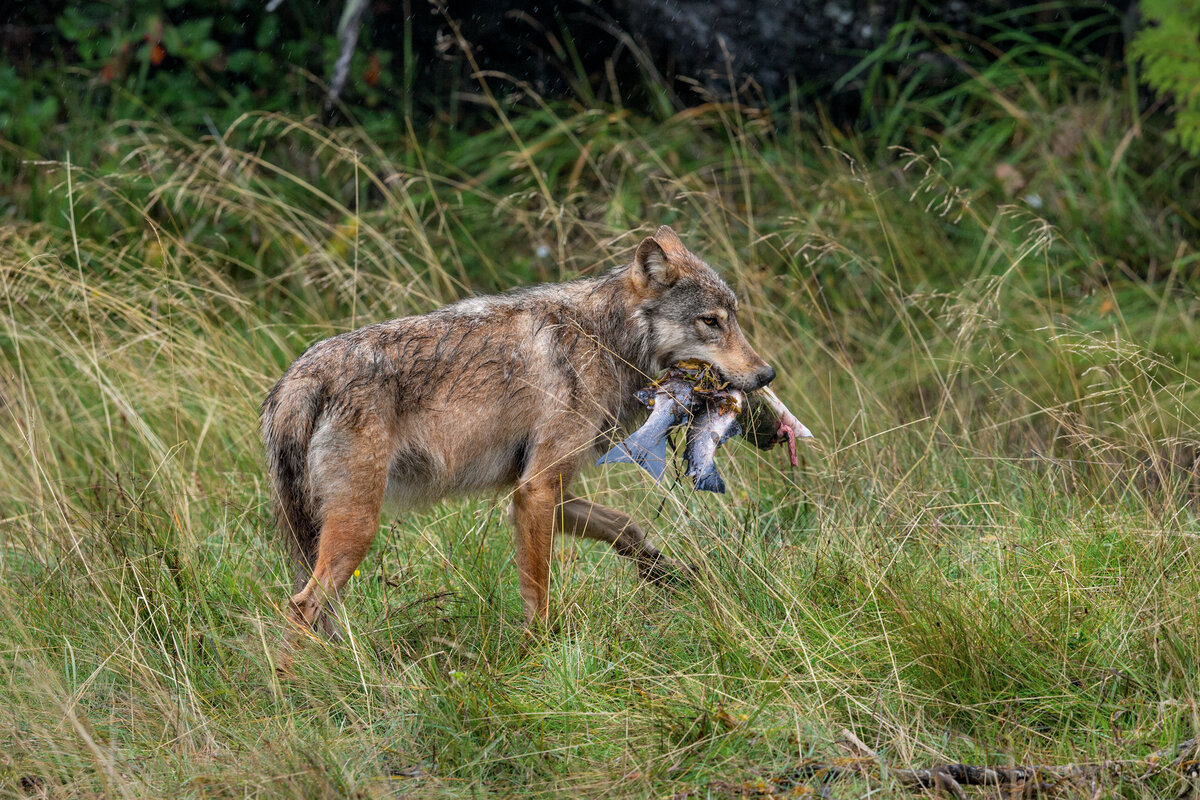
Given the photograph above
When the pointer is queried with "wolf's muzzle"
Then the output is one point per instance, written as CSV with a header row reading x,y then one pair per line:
x,y
762,377
754,381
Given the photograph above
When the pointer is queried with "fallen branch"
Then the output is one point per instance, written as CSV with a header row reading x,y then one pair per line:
x,y
949,779
347,38
347,34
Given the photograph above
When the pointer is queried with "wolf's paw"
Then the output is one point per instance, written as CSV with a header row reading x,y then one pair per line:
x,y
537,633
330,625
283,659
666,571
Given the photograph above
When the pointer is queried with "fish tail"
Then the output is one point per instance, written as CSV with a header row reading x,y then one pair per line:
x,y
709,481
649,451
617,455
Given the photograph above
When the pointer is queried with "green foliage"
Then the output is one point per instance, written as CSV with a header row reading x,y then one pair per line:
x,y
1168,49
931,78
25,113
199,63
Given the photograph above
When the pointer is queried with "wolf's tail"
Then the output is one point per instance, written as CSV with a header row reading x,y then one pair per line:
x,y
289,415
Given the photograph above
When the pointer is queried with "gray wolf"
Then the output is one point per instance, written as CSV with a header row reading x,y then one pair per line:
x,y
514,391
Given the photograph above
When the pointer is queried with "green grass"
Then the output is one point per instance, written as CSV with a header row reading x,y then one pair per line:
x,y
990,556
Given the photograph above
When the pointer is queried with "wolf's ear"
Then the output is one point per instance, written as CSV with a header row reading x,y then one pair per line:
x,y
669,242
651,270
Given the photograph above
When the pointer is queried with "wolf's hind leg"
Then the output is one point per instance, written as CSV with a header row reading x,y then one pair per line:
x,y
580,517
351,512
327,619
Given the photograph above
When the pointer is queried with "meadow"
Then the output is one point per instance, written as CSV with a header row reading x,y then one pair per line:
x,y
990,555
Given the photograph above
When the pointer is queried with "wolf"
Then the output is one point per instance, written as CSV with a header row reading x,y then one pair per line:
x,y
507,392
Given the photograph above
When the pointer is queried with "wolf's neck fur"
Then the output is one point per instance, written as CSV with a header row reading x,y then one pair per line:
x,y
611,313
621,341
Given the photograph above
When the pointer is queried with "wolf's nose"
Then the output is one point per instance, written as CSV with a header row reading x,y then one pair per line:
x,y
763,377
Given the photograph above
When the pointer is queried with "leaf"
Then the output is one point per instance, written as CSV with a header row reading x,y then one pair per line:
x,y
268,31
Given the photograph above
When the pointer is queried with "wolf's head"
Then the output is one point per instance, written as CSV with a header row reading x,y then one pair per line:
x,y
691,313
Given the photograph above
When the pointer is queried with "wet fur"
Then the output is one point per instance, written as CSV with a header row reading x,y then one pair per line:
x,y
512,391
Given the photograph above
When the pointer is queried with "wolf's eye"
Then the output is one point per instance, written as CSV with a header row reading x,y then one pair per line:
x,y
711,322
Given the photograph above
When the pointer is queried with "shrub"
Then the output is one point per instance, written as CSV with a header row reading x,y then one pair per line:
x,y
1168,49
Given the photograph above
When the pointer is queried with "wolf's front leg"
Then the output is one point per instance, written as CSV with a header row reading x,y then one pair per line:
x,y
533,516
580,517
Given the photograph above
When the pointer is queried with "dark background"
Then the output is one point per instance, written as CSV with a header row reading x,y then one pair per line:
x,y
214,58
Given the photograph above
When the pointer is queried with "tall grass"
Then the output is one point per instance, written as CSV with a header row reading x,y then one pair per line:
x,y
990,556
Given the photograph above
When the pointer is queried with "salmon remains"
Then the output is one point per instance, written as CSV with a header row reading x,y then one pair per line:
x,y
691,393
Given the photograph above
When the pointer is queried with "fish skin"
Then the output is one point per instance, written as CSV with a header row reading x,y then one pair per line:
x,y
670,405
711,428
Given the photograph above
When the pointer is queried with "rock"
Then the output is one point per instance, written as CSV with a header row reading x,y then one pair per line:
x,y
764,46
814,42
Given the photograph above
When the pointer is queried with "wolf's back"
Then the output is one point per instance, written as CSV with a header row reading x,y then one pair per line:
x,y
289,416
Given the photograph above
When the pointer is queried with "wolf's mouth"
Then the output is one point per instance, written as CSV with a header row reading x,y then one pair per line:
x,y
756,381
